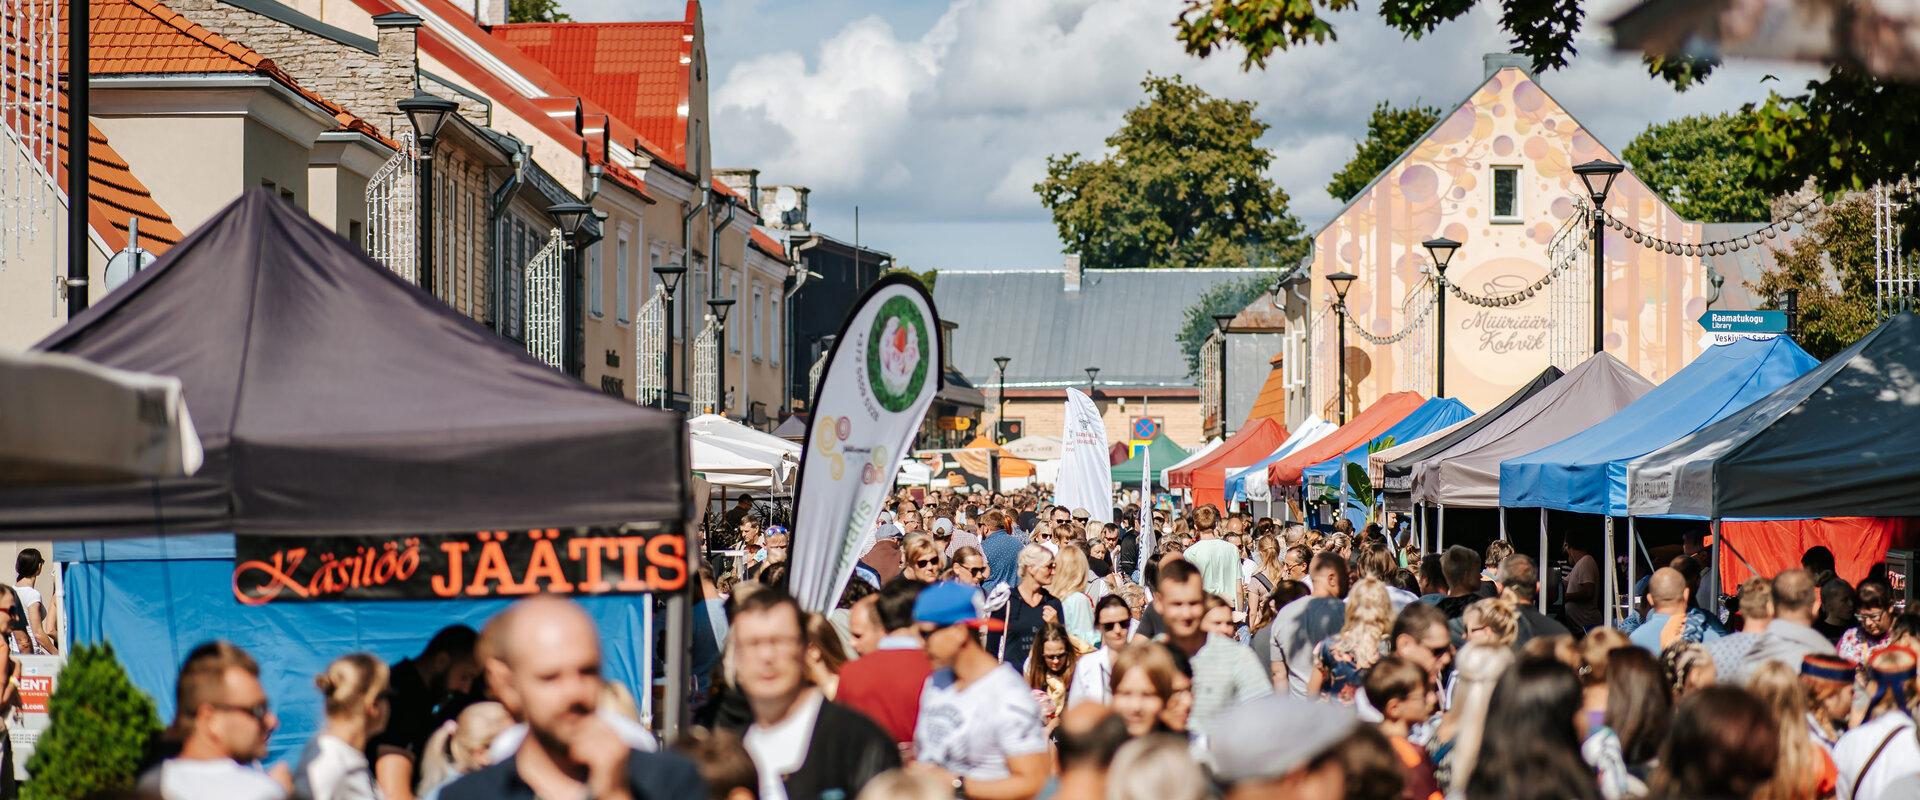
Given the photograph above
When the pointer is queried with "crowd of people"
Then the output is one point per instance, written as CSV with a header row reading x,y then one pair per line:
x,y
995,646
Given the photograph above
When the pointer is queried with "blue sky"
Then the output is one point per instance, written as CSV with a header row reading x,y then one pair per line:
x,y
935,117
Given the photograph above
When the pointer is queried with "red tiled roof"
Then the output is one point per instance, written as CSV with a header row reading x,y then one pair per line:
x,y
144,37
769,245
633,69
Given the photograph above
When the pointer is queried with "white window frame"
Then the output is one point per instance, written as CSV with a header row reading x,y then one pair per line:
x,y
596,280
733,291
759,329
622,284
1493,194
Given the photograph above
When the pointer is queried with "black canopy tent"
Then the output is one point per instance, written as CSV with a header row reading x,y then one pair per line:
x,y
333,397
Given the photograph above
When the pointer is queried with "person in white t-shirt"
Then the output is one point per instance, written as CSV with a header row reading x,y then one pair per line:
x,y
40,620
979,726
334,766
222,711
1092,674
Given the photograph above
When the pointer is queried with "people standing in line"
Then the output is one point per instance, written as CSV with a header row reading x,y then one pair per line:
x,y
1828,682
1732,653
1805,768
1873,610
1672,619
1341,661
1836,608
1581,587
1531,746
1027,607
1498,551
42,623
1069,586
979,729
1002,549
885,683
1092,674
1723,743
353,694
222,721
1049,672
802,743
1306,622
1519,582
1225,673
421,686
1880,758
546,668
1791,636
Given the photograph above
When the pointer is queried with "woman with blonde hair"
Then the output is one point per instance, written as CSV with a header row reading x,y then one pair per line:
x,y
353,692
1269,571
1457,741
1801,769
1491,621
460,746
921,558
1069,586
1341,661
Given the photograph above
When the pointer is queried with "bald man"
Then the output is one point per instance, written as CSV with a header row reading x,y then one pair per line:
x,y
545,664
1791,636
1672,619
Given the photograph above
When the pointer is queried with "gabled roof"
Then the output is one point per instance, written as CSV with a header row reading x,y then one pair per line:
x,y
640,71
144,37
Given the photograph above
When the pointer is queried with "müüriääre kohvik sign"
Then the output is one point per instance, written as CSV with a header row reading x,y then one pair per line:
x,y
278,569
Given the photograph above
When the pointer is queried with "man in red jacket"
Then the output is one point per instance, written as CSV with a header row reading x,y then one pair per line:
x,y
885,684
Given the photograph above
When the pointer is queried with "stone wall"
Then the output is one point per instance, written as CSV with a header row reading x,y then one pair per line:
x,y
1180,417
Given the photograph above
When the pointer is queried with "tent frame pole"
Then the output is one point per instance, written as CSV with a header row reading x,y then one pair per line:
x,y
1545,565
679,644
1420,526
1442,541
1713,598
1503,523
1613,599
1633,560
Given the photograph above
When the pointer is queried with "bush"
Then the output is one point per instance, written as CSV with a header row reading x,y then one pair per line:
x,y
98,729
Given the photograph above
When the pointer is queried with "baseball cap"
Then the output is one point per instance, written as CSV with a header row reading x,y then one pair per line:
x,y
1274,735
954,603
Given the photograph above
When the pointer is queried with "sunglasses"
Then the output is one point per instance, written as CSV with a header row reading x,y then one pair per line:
x,y
258,711
924,563
978,572
1114,625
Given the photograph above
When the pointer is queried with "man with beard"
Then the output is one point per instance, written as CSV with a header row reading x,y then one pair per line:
x,y
420,687
222,721
547,672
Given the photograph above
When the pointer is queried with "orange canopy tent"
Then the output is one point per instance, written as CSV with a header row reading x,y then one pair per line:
x,y
1767,547
1383,414
974,459
1207,478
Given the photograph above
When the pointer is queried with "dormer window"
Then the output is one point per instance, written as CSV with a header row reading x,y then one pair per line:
x,y
1506,194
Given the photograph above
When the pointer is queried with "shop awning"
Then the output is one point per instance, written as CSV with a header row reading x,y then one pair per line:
x,y
1207,477
1163,451
1383,414
1395,475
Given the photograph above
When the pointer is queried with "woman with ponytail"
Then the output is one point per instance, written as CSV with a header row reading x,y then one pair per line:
x,y
334,766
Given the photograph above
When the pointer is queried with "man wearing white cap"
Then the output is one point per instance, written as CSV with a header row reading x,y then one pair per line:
x,y
1280,746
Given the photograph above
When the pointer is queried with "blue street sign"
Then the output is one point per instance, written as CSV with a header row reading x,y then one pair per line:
x,y
1145,428
1744,321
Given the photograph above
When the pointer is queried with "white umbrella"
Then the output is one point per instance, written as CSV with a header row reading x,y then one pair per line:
x,y
65,420
732,464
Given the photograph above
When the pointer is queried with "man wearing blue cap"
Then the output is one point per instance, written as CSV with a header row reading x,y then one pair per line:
x,y
979,726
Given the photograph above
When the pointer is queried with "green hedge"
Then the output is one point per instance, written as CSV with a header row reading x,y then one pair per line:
x,y
98,729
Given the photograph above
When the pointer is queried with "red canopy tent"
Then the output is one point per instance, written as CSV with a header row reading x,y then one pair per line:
x,y
1207,478
1767,547
1383,414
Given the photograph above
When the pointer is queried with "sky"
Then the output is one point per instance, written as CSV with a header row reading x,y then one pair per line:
x,y
935,117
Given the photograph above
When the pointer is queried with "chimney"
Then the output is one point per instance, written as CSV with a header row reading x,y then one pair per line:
x,y
744,182
397,37
490,12
1494,62
1072,272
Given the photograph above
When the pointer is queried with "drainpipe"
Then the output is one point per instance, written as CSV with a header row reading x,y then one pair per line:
x,y
713,282
686,342
800,274
497,211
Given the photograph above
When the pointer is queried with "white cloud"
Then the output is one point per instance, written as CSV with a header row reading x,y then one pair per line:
x,y
953,125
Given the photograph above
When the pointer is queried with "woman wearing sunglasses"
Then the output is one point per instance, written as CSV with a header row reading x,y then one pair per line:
x,y
969,566
922,558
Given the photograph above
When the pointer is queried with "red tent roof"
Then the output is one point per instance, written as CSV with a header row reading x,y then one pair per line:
x,y
1383,414
1207,477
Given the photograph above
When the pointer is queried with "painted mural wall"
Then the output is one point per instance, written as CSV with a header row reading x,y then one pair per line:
x,y
1445,187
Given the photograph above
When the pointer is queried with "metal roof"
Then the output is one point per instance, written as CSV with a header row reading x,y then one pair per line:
x,y
1124,321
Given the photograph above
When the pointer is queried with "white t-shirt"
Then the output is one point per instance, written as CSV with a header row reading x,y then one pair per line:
x,y
183,779
1896,767
507,742
331,769
29,597
1092,678
971,732
780,749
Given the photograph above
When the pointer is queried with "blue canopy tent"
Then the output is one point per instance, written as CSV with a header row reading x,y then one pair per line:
x,y
155,598
1433,415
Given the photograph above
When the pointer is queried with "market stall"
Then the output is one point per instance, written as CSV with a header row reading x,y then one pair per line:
x,y
1161,450
1249,483
1394,477
1205,450
1364,427
1431,416
1206,478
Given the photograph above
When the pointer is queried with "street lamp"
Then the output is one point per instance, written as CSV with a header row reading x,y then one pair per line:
x,y
1221,321
670,275
427,113
1000,413
720,307
1093,374
1341,281
572,219
1441,250
1605,171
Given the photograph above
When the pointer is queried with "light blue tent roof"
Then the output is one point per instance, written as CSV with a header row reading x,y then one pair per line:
x,y
1587,471
1434,414
1311,430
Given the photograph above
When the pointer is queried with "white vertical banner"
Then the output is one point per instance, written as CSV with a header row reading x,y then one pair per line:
x,y
1086,474
1143,536
875,389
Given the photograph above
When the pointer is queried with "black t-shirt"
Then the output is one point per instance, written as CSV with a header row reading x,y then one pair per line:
x,y
413,717
650,776
1023,624
1455,606
1027,520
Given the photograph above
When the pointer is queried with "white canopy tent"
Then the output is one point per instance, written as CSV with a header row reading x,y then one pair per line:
x,y
68,420
1191,457
731,455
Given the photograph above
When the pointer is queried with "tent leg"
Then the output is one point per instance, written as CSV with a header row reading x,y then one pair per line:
x,y
1544,563
1612,598
1419,526
1713,596
1633,561
1502,511
1442,542
679,656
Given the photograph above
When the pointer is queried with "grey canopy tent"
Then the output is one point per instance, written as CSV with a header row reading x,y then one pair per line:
x,y
333,397
1838,441
1397,475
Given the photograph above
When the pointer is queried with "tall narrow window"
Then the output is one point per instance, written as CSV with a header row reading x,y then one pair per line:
x,y
621,286
775,323
1506,194
759,321
596,283
733,291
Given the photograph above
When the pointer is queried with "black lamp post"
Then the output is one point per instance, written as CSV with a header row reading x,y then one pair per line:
x,y
1093,374
427,113
1000,413
720,306
1441,250
670,275
1605,172
572,219
1221,321
1341,281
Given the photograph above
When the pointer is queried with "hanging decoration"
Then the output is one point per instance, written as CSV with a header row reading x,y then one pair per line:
x,y
1798,215
30,61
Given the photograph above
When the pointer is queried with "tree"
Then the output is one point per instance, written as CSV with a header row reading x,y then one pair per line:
x,y
1390,131
98,728
536,11
1700,166
1831,266
1223,298
1184,186
927,278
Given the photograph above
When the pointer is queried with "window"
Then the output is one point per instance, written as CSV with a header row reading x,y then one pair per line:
x,y
759,346
596,279
774,325
1506,194
733,291
621,285
356,233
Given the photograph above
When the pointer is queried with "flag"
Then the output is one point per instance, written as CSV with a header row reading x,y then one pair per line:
x,y
1086,469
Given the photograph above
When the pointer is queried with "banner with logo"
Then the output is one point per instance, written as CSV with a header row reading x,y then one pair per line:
x,y
1086,467
280,569
874,391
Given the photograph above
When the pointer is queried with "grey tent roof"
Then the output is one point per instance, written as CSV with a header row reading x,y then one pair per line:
x,y
332,397
1839,441
1397,475
1124,321
1467,474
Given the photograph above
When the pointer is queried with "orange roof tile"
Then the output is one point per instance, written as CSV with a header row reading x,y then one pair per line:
x,y
633,69
769,245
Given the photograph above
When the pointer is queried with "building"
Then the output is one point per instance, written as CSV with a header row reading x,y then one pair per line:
x,y
1054,324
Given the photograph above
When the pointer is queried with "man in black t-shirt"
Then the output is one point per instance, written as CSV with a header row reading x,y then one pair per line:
x,y
420,687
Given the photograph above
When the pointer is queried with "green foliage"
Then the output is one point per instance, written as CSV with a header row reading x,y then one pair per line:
x,y
1702,168
1184,186
1358,485
536,11
1542,30
1390,131
99,725
1223,298
926,278
1832,267
1847,130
